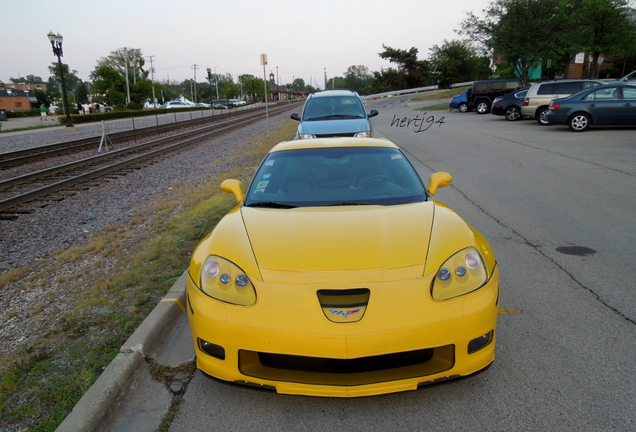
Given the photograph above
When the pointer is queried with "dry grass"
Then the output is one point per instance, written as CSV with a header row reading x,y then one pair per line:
x,y
95,295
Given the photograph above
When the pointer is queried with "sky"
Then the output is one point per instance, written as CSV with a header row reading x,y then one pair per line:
x,y
302,39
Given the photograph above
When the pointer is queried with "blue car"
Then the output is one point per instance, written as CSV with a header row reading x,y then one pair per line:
x,y
460,102
611,104
334,113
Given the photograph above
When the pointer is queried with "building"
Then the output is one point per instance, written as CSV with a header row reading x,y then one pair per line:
x,y
28,87
278,93
17,100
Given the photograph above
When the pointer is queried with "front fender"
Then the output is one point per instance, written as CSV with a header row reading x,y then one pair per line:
x,y
228,240
450,234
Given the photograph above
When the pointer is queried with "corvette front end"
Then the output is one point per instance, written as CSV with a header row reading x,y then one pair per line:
x,y
380,290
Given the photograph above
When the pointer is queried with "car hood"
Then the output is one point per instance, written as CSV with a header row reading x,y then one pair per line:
x,y
337,126
340,244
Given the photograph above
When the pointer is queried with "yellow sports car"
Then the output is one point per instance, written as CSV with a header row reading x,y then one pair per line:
x,y
338,274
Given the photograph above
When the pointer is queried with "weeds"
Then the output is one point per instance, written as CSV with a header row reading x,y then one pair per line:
x,y
121,278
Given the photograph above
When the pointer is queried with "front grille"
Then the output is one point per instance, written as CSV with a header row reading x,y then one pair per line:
x,y
346,372
348,134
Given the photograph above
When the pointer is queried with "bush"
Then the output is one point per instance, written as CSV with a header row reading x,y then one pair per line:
x,y
22,114
118,114
134,106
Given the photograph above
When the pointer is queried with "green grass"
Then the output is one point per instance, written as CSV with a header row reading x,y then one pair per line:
x,y
436,107
439,94
43,379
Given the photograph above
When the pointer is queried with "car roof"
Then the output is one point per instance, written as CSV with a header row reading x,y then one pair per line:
x,y
332,143
329,93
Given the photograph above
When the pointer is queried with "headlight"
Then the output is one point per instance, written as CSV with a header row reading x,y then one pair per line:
x,y
462,273
224,281
306,136
365,134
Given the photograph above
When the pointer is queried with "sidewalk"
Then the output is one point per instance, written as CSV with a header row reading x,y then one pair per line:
x,y
126,398
25,122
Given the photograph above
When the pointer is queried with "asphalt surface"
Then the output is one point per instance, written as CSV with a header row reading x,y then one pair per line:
x,y
557,208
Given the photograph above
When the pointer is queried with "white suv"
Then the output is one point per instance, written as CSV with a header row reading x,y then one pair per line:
x,y
541,94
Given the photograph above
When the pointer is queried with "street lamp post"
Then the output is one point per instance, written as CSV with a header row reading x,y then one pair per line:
x,y
210,81
216,81
56,43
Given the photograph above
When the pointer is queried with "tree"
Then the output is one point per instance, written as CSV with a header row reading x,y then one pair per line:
x,y
253,87
126,58
358,79
54,84
298,84
82,93
336,83
606,27
457,61
387,80
414,72
29,79
519,32
108,82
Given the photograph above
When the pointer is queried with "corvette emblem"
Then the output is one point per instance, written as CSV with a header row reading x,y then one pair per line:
x,y
344,314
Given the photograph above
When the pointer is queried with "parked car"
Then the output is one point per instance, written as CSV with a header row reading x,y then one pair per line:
x,y
339,275
176,104
483,93
611,104
629,78
334,113
510,104
541,94
460,102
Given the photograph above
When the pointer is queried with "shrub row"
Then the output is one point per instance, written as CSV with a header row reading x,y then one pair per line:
x,y
77,118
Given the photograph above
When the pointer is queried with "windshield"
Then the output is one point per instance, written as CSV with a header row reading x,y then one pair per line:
x,y
335,176
330,108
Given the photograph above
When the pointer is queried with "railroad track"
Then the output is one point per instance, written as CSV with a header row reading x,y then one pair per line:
x,y
25,193
18,158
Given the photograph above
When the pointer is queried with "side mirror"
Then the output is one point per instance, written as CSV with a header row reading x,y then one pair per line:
x,y
234,187
373,113
438,180
295,116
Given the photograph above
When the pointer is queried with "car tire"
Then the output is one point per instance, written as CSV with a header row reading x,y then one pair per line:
x,y
463,107
482,107
542,116
579,122
513,113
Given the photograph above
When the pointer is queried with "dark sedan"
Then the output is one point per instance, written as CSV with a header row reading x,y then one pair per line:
x,y
510,104
612,104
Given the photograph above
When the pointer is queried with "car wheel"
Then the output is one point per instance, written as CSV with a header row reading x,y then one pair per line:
x,y
463,107
483,107
542,115
579,122
513,113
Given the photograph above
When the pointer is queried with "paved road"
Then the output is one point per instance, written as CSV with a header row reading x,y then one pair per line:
x,y
558,210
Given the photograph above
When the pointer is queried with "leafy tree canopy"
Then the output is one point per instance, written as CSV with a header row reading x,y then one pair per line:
x,y
414,72
29,79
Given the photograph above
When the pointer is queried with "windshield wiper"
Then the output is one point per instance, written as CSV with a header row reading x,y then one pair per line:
x,y
272,204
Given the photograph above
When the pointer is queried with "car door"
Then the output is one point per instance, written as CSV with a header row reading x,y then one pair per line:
x,y
628,115
604,105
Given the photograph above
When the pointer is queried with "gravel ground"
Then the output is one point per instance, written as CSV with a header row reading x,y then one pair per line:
x,y
74,220
30,309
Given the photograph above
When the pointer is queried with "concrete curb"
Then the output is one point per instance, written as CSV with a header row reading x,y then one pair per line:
x,y
91,409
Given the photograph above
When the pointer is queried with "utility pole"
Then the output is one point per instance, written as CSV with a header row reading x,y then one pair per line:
x,y
325,78
152,79
127,83
195,82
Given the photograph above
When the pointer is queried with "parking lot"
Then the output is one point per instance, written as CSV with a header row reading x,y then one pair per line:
x,y
557,208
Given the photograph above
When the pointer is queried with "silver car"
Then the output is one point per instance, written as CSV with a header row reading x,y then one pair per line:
x,y
334,113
